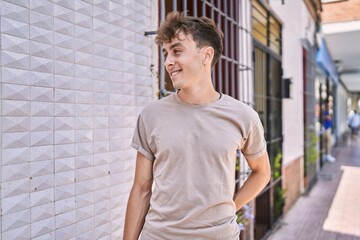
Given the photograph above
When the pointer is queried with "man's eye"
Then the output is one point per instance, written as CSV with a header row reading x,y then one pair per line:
x,y
176,51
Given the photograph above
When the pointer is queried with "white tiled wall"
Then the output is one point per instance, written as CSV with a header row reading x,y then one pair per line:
x,y
74,74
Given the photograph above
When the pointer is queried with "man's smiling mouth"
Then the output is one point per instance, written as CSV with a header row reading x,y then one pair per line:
x,y
174,73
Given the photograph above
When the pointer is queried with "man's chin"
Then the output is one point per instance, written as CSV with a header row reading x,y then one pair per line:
x,y
177,85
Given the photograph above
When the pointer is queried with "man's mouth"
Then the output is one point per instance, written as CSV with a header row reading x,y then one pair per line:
x,y
174,73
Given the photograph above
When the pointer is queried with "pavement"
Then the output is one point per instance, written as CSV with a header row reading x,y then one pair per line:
x,y
331,210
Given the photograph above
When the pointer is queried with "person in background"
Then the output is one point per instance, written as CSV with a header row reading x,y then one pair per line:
x,y
187,142
354,124
327,125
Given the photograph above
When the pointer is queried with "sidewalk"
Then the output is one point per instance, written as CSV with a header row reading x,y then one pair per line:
x,y
332,208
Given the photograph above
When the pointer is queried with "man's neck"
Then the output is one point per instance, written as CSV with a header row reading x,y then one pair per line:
x,y
203,95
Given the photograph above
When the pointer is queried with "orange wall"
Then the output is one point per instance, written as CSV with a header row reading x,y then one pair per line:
x,y
348,10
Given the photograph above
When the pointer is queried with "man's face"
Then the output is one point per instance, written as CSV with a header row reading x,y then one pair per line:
x,y
183,61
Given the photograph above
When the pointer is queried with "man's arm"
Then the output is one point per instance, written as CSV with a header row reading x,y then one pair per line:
x,y
139,199
257,180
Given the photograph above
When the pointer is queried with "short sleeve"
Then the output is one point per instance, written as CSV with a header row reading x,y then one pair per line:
x,y
254,145
140,140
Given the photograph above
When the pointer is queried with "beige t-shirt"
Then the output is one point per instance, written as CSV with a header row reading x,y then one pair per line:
x,y
193,148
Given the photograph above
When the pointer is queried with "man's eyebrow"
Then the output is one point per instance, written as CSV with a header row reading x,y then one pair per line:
x,y
174,45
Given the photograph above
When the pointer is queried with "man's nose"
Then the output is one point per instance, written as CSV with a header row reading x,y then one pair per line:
x,y
169,61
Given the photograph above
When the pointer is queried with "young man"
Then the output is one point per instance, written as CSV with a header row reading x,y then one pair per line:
x,y
186,142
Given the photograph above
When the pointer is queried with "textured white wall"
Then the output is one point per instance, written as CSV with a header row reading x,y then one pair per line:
x,y
74,75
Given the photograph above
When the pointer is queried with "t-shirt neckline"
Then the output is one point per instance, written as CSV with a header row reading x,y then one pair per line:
x,y
216,102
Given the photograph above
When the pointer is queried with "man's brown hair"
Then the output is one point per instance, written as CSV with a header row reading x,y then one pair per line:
x,y
203,30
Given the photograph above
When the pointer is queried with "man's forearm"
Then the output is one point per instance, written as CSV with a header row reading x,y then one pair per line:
x,y
137,208
251,188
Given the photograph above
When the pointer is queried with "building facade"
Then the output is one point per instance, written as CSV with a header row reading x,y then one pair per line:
x,y
299,65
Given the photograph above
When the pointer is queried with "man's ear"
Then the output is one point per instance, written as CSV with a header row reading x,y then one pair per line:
x,y
209,55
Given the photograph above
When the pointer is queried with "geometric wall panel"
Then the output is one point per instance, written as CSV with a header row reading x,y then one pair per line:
x,y
15,44
41,79
84,213
64,150
14,28
42,197
84,187
83,46
64,178
41,183
84,227
65,205
101,134
63,13
44,65
15,60
64,191
66,232
14,188
41,153
62,95
15,172
15,220
84,148
84,110
100,13
21,233
42,94
85,72
84,174
83,33
101,146
42,123
64,110
15,140
42,227
15,12
15,155
63,54
41,35
65,41
83,7
42,168
42,7
41,49
14,204
64,123
64,219
84,161
84,97
84,122
15,124
41,20
42,138
63,68
15,76
84,135
64,164
62,137
42,212
64,27
84,199
67,108
42,109
15,108
83,20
